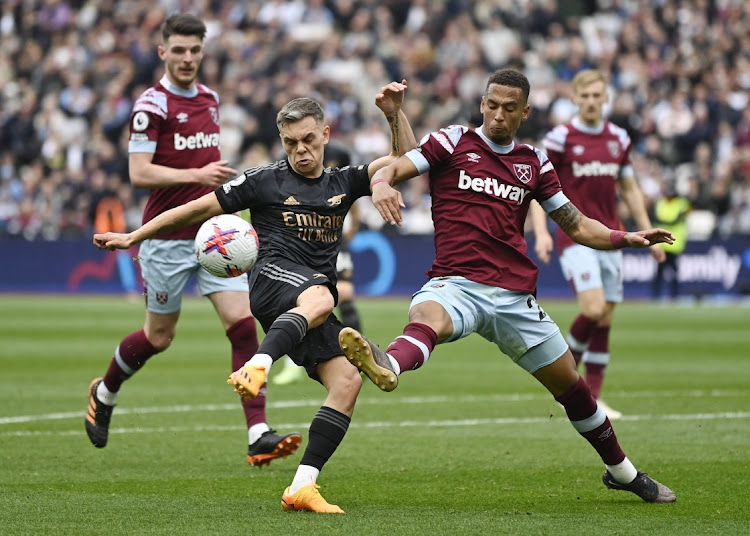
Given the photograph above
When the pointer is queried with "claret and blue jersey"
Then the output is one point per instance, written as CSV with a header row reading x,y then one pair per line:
x,y
480,197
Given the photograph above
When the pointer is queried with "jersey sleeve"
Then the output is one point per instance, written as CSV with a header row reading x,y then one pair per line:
x,y
436,147
358,178
554,144
145,121
240,193
549,183
625,145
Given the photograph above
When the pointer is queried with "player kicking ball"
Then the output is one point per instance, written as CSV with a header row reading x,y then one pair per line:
x,y
482,280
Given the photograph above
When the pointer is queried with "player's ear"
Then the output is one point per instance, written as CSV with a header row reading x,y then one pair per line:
x,y
326,134
162,52
526,112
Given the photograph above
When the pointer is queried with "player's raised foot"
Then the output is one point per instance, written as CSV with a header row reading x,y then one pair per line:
x,y
290,374
644,486
248,380
612,413
97,417
270,446
309,499
368,358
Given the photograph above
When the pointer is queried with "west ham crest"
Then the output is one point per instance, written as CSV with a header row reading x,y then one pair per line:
x,y
614,148
214,114
523,172
162,297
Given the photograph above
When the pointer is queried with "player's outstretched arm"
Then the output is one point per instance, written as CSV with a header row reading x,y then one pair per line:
x,y
390,101
385,197
594,234
542,239
196,211
390,169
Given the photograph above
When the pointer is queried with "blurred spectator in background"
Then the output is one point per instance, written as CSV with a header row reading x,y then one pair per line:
x,y
670,213
70,70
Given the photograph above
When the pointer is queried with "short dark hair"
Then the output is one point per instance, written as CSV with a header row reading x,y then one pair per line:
x,y
297,109
511,78
183,24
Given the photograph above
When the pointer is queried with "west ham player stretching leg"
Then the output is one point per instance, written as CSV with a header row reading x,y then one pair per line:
x,y
482,281
298,209
592,160
174,152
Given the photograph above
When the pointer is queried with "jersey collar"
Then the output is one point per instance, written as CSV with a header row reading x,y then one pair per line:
x,y
583,127
169,86
502,149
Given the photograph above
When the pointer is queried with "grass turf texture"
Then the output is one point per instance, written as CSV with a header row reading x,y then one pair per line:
x,y
468,445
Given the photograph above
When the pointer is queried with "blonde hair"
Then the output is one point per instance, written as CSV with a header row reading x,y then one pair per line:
x,y
586,77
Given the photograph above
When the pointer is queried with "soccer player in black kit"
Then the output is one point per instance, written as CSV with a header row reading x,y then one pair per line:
x,y
298,208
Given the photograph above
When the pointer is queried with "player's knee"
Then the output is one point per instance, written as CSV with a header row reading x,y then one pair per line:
x,y
344,388
316,304
349,385
161,339
594,311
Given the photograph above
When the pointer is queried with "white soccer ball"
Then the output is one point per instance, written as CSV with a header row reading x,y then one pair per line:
x,y
226,245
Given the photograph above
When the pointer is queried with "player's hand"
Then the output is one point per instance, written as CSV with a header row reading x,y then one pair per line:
x,y
391,97
112,241
216,173
643,239
389,202
543,247
658,253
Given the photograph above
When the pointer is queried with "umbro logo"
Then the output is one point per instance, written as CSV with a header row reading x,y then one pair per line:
x,y
291,201
336,199
473,157
182,117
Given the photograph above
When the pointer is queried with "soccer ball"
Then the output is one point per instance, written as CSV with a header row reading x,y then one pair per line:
x,y
226,245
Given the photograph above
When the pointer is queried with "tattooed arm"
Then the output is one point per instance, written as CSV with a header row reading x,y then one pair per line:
x,y
594,234
389,100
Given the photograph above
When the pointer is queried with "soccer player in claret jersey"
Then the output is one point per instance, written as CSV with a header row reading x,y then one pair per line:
x,y
592,160
298,207
482,280
174,152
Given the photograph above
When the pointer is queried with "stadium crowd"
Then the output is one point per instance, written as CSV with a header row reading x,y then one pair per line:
x,y
70,71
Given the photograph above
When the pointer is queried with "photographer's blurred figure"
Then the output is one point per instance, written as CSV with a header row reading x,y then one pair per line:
x,y
670,212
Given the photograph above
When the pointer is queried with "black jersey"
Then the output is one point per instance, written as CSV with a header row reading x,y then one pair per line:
x,y
297,218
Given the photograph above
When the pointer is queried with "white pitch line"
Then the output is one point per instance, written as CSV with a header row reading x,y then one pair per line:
x,y
452,423
384,400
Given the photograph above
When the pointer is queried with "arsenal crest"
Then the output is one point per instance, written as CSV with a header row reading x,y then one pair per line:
x,y
523,172
614,148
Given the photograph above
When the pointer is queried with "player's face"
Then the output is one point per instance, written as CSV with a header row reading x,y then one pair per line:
x,y
503,109
590,100
304,142
182,55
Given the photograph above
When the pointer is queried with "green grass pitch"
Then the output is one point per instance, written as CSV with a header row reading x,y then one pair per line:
x,y
468,445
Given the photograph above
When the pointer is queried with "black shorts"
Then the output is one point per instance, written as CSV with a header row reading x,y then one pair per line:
x,y
275,286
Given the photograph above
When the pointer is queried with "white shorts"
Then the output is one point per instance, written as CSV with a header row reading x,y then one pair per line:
x,y
587,269
512,320
166,267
